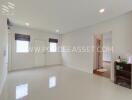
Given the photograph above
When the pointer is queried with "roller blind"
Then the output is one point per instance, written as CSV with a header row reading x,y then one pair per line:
x,y
22,37
53,40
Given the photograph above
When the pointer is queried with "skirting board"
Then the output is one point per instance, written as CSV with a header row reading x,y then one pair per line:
x,y
89,72
79,69
34,67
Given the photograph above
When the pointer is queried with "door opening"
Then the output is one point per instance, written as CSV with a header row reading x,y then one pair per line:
x,y
103,54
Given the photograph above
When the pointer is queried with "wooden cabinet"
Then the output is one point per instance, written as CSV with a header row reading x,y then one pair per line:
x,y
123,74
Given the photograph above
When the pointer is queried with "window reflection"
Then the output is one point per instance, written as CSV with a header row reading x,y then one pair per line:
x,y
52,82
21,91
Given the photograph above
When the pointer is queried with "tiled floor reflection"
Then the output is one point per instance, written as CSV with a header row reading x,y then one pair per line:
x,y
21,91
61,83
52,81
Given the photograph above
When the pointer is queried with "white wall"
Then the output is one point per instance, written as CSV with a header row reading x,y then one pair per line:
x,y
22,61
121,28
81,61
3,50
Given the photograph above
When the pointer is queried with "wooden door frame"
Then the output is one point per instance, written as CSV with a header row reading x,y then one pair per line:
x,y
94,55
97,63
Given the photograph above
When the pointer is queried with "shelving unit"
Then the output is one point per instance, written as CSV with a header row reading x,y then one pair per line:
x,y
123,74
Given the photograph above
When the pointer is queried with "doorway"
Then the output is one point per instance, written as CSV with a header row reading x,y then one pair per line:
x,y
103,54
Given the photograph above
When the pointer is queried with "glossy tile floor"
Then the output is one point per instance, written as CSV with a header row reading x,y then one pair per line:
x,y
61,83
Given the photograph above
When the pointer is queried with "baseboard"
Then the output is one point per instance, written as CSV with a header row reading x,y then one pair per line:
x,y
79,69
34,67
107,61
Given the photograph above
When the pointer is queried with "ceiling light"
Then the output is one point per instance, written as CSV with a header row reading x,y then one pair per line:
x,y
9,3
12,7
57,31
102,10
6,10
27,24
4,6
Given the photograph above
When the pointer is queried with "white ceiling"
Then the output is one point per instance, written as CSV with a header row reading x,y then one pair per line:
x,y
66,15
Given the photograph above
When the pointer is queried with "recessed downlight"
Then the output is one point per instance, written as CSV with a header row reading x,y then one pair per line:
x,y
102,10
27,24
57,31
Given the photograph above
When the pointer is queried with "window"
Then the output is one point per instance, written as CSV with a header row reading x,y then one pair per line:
x,y
22,43
53,45
22,46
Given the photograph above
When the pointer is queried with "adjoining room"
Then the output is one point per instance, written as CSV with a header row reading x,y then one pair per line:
x,y
103,54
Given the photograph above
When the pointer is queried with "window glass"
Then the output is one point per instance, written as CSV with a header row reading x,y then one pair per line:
x,y
53,47
22,46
